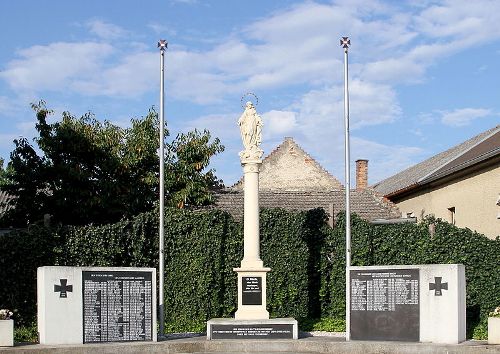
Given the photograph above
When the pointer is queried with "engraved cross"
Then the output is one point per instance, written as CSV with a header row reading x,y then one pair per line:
x,y
63,288
437,286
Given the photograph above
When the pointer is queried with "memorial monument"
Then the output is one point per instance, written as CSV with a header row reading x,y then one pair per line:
x,y
96,304
252,273
413,303
252,318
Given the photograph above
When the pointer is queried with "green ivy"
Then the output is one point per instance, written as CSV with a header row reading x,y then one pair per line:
x,y
307,258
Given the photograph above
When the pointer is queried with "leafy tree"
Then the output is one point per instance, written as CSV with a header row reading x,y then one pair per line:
x,y
94,172
190,155
3,173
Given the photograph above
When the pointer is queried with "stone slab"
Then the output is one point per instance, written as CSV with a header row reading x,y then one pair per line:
x,y
423,303
96,304
6,333
493,330
276,328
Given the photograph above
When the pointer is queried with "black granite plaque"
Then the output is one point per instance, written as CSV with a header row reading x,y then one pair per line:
x,y
251,290
252,331
117,306
385,304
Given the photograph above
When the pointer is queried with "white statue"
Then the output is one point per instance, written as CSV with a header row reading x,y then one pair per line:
x,y
251,132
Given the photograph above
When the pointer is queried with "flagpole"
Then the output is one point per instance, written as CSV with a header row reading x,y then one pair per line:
x,y
162,44
345,43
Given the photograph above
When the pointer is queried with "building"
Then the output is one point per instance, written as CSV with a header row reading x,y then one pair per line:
x,y
460,185
291,179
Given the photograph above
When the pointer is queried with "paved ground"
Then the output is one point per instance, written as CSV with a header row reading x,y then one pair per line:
x,y
309,345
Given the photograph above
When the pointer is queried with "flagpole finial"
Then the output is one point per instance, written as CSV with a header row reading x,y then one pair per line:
x,y
345,42
162,44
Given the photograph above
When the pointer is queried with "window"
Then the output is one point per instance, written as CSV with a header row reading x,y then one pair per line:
x,y
452,216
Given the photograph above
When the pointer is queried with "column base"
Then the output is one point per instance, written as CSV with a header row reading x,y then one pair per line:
x,y
276,328
251,293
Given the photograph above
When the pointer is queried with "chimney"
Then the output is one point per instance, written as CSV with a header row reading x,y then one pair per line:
x,y
361,174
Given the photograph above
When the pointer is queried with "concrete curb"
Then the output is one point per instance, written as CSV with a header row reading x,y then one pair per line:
x,y
303,345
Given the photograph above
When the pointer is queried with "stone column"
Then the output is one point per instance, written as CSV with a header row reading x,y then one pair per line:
x,y
251,254
252,273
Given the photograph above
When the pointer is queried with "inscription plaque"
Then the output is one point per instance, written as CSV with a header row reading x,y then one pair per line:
x,y
117,306
253,331
385,304
251,290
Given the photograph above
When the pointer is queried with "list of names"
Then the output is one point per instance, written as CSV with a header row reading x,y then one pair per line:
x,y
117,306
383,291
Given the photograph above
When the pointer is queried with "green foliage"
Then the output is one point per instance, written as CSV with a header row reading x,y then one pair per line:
x,y
94,172
21,253
25,334
480,331
3,174
291,244
326,324
186,181
201,250
307,258
413,244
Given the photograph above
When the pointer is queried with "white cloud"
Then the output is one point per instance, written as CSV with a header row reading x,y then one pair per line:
x,y
294,46
370,104
106,31
463,116
162,29
384,160
53,67
133,76
223,126
6,104
279,123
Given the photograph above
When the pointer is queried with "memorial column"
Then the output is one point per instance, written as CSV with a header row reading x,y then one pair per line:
x,y
252,273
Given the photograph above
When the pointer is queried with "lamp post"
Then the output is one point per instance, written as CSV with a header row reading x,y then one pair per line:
x,y
162,44
345,42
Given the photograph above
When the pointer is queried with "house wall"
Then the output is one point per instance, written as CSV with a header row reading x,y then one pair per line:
x,y
474,198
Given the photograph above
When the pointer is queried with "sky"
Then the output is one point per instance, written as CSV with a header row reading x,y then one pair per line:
x,y
423,75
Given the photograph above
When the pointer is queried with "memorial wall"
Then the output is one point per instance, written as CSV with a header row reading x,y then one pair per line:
x,y
411,303
95,305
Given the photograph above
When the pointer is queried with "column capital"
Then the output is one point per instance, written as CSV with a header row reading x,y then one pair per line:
x,y
251,166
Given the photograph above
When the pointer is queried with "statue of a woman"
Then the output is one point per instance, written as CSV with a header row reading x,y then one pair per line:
x,y
251,132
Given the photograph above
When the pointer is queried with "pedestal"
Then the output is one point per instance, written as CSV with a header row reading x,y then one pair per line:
x,y
275,328
6,333
493,330
252,294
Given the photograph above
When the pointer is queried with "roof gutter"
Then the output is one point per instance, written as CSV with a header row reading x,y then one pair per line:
x,y
394,221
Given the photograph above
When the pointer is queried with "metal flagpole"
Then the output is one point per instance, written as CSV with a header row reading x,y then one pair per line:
x,y
162,44
345,43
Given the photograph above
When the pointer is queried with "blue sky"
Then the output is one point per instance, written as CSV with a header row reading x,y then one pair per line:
x,y
424,75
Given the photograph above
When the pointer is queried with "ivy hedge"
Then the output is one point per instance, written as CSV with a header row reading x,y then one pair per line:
x,y
306,256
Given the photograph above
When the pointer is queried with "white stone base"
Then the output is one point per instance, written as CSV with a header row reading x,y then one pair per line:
x,y
252,312
275,328
493,330
6,333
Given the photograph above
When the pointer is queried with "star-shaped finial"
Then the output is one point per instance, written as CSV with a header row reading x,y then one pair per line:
x,y
162,44
345,42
